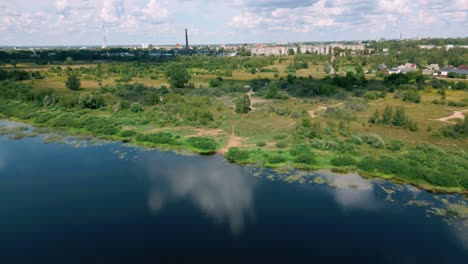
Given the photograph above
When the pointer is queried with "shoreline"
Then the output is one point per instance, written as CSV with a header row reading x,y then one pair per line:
x,y
339,170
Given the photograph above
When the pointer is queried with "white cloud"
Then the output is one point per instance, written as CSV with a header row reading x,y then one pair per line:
x,y
112,11
49,21
153,13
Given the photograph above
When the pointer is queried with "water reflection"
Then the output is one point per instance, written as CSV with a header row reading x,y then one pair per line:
x,y
219,189
352,191
460,229
3,159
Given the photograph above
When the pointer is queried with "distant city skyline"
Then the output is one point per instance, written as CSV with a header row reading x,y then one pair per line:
x,y
86,22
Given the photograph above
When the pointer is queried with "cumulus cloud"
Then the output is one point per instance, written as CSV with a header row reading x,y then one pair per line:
x,y
112,11
153,13
356,15
246,20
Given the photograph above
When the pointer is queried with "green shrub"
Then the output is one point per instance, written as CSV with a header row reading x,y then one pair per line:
x,y
395,145
375,140
261,144
91,101
277,137
235,154
343,161
275,159
136,107
128,133
203,143
305,158
281,144
368,163
164,138
412,96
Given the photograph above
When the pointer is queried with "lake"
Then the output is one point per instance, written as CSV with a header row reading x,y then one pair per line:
x,y
76,201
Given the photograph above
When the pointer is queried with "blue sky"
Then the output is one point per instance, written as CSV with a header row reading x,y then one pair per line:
x,y
83,22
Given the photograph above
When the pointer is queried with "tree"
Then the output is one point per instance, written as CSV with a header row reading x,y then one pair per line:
x,y
177,75
243,104
69,61
375,117
387,115
399,119
291,52
73,82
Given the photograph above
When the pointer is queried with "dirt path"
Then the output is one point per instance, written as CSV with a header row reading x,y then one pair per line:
x,y
233,141
313,112
455,115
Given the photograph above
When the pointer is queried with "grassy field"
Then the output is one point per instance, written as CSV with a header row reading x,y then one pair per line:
x,y
268,133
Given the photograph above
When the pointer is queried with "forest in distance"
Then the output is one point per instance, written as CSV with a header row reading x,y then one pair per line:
x,y
284,112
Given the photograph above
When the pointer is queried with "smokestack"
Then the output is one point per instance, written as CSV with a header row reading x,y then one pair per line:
x,y
186,40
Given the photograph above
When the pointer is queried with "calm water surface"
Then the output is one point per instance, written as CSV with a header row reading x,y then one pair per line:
x,y
112,203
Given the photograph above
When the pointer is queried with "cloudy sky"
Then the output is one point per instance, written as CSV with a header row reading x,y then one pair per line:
x,y
83,22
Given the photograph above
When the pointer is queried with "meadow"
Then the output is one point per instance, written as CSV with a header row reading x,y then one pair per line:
x,y
299,117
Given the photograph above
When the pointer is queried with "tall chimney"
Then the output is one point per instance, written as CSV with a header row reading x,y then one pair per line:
x,y
186,40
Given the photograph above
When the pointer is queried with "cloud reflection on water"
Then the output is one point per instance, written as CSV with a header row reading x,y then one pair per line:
x,y
219,189
352,191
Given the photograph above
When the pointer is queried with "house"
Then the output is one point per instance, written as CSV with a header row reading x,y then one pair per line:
x,y
408,67
445,70
411,66
394,70
427,71
434,67
385,51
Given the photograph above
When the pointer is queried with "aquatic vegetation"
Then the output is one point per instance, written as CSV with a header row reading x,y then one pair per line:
x,y
458,210
419,203
320,180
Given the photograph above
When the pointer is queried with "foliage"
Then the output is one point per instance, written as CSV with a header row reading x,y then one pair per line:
x,y
243,104
161,138
343,161
177,75
73,82
206,145
412,96
136,107
91,101
236,154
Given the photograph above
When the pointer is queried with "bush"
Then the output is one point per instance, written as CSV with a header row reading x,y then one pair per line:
x,y
375,140
343,161
275,159
281,144
305,158
164,138
412,96
261,144
395,145
207,145
368,164
91,101
457,104
136,107
127,133
73,82
235,154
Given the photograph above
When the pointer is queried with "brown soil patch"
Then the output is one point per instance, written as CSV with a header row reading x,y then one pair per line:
x,y
455,115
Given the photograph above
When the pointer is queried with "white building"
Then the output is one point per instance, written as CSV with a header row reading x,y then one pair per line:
x,y
268,51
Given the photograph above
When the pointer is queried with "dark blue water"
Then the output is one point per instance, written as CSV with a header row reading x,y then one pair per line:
x,y
110,203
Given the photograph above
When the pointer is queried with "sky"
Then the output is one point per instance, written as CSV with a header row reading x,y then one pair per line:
x,y
162,22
